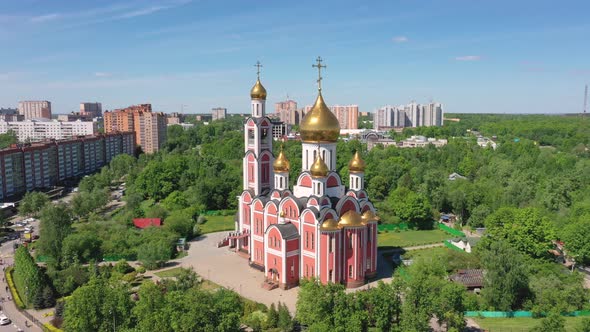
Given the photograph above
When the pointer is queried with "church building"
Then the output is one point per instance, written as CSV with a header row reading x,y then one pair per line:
x,y
317,229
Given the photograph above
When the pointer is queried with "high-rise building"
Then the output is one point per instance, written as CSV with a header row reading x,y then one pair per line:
x,y
92,110
149,127
35,109
150,130
347,115
410,115
218,113
288,113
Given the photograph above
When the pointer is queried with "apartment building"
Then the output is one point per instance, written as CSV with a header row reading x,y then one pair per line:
x,y
410,115
91,110
42,129
42,165
35,109
149,127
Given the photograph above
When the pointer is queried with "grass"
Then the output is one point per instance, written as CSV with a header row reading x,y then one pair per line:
x,y
521,324
411,238
217,224
171,273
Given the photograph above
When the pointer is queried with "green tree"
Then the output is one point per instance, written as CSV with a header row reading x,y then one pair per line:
x,y
584,325
285,320
552,323
576,235
149,311
528,230
8,139
32,203
506,277
81,247
411,207
385,305
28,278
55,226
272,317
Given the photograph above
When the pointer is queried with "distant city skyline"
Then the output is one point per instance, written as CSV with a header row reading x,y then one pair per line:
x,y
183,55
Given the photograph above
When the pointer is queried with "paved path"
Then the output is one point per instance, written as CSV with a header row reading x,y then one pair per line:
x,y
228,269
424,246
8,307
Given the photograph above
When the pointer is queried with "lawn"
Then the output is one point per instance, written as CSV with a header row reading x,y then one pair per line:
x,y
172,273
521,324
217,224
411,238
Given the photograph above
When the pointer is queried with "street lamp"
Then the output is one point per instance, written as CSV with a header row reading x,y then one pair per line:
x,y
27,295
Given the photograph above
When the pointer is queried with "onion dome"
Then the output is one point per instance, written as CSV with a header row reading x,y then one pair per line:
x,y
319,124
356,164
258,91
369,216
281,164
350,219
319,169
329,225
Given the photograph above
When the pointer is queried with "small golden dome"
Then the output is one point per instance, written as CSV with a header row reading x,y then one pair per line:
x,y
319,168
350,219
329,225
281,164
369,216
319,124
356,164
258,91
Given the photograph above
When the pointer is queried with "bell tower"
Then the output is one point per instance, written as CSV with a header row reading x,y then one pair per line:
x,y
258,158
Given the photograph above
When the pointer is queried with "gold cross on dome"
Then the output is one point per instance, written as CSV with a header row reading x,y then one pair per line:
x,y
258,65
319,66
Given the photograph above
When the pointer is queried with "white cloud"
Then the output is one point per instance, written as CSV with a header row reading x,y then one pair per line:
x,y
468,58
143,11
102,74
400,39
45,18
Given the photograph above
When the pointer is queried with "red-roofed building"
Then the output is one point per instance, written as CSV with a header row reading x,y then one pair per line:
x,y
147,222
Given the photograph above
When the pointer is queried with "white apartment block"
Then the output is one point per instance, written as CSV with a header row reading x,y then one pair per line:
x,y
410,115
37,130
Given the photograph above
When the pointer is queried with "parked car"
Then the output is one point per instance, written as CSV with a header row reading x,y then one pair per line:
x,y
4,320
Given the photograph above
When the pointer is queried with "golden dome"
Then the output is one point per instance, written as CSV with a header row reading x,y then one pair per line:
x,y
350,219
356,164
319,124
369,216
319,168
258,91
281,164
329,225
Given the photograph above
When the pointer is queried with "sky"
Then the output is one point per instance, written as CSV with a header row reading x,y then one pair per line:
x,y
525,56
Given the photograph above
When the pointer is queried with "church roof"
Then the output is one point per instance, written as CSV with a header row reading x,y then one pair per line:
x,y
288,231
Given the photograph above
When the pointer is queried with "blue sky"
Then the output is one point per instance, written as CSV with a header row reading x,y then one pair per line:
x,y
473,56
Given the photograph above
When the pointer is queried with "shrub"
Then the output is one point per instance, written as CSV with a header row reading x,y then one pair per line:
x,y
140,269
15,296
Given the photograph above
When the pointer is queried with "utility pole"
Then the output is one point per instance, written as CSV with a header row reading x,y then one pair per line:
x,y
585,98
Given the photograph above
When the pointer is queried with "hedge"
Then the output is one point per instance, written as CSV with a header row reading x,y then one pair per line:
x,y
15,295
47,327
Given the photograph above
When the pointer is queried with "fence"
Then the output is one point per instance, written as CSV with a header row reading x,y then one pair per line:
x,y
393,227
519,314
451,246
450,230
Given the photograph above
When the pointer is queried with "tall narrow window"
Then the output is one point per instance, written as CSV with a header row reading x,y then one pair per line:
x,y
312,240
350,271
